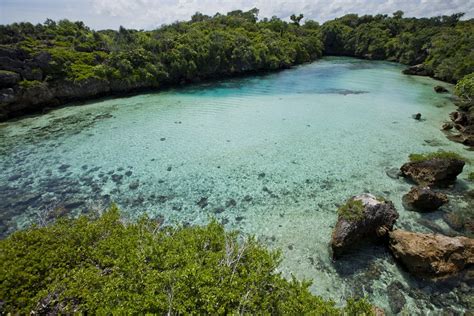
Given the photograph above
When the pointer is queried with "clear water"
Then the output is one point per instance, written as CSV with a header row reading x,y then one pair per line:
x,y
270,155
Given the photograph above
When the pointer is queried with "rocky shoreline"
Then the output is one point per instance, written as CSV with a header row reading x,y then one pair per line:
x,y
460,128
438,259
41,95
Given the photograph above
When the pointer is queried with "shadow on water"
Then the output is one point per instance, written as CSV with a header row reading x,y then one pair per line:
x,y
359,258
365,264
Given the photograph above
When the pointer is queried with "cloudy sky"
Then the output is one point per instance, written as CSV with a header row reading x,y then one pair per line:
x,y
148,14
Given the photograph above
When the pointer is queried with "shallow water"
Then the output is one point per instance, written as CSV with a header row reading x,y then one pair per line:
x,y
270,155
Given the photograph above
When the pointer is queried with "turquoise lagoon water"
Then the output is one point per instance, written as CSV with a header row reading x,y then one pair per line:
x,y
270,155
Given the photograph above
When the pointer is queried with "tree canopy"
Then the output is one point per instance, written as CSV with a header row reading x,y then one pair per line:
x,y
444,44
103,266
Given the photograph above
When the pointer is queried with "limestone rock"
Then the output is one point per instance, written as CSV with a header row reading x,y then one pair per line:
x,y
424,199
440,89
373,220
432,255
436,172
447,126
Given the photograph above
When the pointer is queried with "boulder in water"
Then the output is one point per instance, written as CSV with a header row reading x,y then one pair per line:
x,y
424,199
447,126
436,170
417,116
396,298
363,217
440,89
431,255
418,70
393,173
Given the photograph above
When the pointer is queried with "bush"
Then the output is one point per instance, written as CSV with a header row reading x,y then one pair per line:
x,y
105,266
436,155
27,84
353,210
465,88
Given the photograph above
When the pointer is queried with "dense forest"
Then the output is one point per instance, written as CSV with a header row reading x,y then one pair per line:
x,y
444,45
47,64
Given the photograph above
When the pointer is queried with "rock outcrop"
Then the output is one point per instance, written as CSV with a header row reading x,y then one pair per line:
x,y
418,70
23,88
463,123
432,255
436,172
8,78
440,89
424,199
363,217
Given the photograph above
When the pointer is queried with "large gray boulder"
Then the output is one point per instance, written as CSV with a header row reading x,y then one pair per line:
x,y
363,217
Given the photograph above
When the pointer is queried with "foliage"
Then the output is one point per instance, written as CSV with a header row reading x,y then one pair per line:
x,y
444,44
465,88
470,177
436,155
205,47
225,45
26,84
353,210
103,266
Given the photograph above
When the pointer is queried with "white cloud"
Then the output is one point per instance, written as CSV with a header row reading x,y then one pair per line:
x,y
152,13
149,14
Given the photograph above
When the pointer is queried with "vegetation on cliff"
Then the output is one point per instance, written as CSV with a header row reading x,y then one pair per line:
x,y
102,265
184,51
444,44
465,88
54,62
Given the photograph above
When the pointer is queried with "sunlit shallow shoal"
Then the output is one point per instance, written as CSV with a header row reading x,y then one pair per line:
x,y
271,155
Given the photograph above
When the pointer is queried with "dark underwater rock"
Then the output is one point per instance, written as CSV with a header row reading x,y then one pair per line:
x,y
453,220
202,203
376,218
14,177
230,203
424,199
393,173
396,299
134,185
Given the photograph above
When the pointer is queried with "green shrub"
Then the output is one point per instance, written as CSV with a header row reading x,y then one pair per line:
x,y
436,155
471,176
353,210
102,265
465,87
27,84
